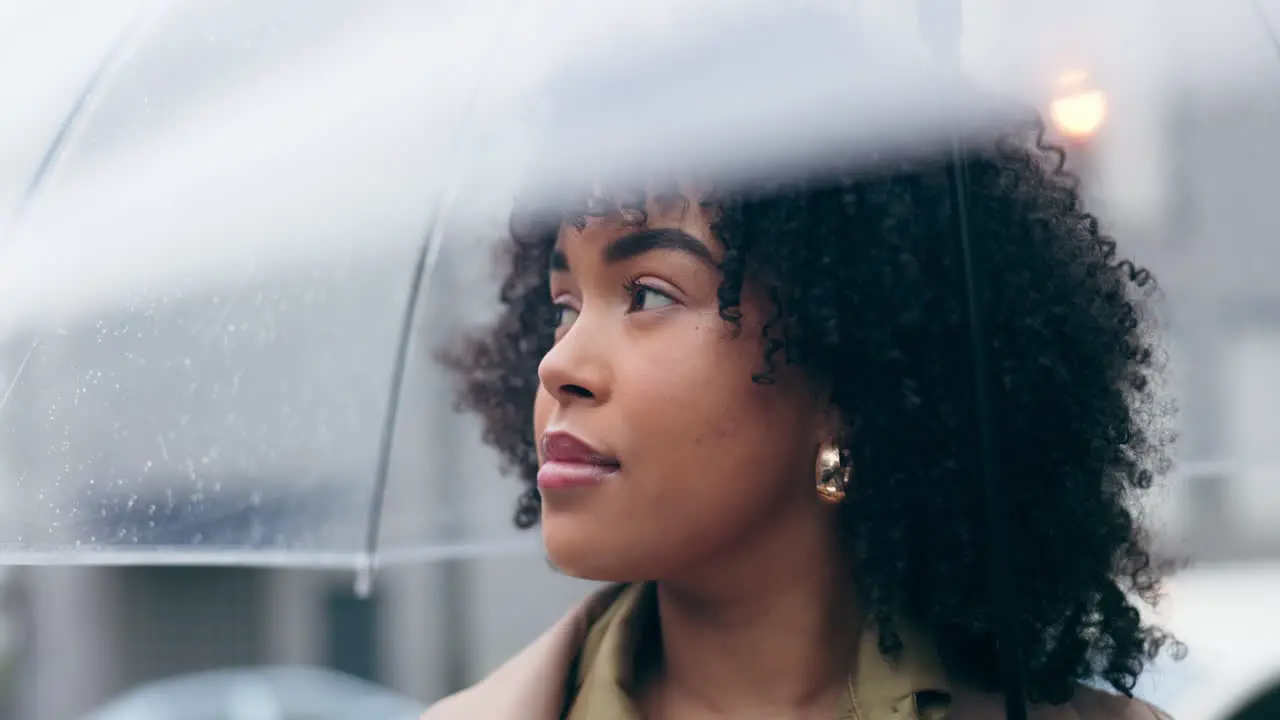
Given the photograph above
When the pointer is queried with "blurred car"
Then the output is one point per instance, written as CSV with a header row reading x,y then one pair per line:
x,y
267,693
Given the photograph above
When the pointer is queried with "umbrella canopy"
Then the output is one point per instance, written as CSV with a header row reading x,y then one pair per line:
x,y
218,215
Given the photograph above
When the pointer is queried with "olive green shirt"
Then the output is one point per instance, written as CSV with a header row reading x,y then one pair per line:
x,y
913,687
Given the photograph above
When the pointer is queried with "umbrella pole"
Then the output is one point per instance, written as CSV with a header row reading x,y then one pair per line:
x,y
940,26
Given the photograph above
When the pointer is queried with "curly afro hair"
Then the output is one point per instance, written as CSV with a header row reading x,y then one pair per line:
x,y
868,297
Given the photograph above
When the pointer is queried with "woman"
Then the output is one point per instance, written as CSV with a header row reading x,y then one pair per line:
x,y
753,410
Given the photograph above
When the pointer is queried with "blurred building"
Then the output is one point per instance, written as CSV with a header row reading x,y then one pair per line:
x,y
97,632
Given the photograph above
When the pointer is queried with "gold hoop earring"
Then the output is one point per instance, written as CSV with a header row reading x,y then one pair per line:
x,y
830,475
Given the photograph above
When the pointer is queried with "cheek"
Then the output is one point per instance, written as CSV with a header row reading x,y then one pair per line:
x,y
694,365
691,403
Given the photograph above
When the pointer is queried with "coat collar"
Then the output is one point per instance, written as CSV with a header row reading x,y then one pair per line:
x,y
534,684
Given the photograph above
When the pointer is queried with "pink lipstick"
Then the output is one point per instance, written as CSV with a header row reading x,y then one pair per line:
x,y
570,462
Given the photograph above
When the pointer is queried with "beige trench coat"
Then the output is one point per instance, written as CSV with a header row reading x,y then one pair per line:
x,y
533,684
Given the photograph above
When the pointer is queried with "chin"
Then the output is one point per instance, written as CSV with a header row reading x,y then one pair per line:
x,y
584,549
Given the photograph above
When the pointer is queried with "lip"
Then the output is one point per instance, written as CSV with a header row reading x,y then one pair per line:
x,y
571,462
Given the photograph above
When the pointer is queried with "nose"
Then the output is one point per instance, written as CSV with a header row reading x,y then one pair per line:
x,y
577,368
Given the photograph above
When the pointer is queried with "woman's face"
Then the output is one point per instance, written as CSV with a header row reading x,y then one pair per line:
x,y
657,451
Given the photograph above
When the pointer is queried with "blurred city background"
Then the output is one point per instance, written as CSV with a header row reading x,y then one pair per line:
x,y
248,412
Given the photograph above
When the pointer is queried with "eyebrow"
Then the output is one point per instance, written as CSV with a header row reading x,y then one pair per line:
x,y
638,243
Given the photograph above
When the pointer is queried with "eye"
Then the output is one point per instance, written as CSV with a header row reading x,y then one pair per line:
x,y
646,298
564,316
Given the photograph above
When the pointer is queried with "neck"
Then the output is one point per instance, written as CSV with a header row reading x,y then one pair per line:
x,y
769,632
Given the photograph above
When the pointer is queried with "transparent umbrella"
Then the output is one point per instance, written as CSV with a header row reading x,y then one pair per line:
x,y
226,268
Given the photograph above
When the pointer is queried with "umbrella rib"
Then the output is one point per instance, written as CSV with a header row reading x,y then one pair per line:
x,y
364,575
424,266
1267,27
58,144
17,374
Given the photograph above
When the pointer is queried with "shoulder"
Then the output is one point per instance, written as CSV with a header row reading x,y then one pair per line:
x,y
458,705
532,683
480,700
1093,704
1087,704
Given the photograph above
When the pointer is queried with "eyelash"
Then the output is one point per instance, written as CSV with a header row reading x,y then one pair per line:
x,y
631,285
634,287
